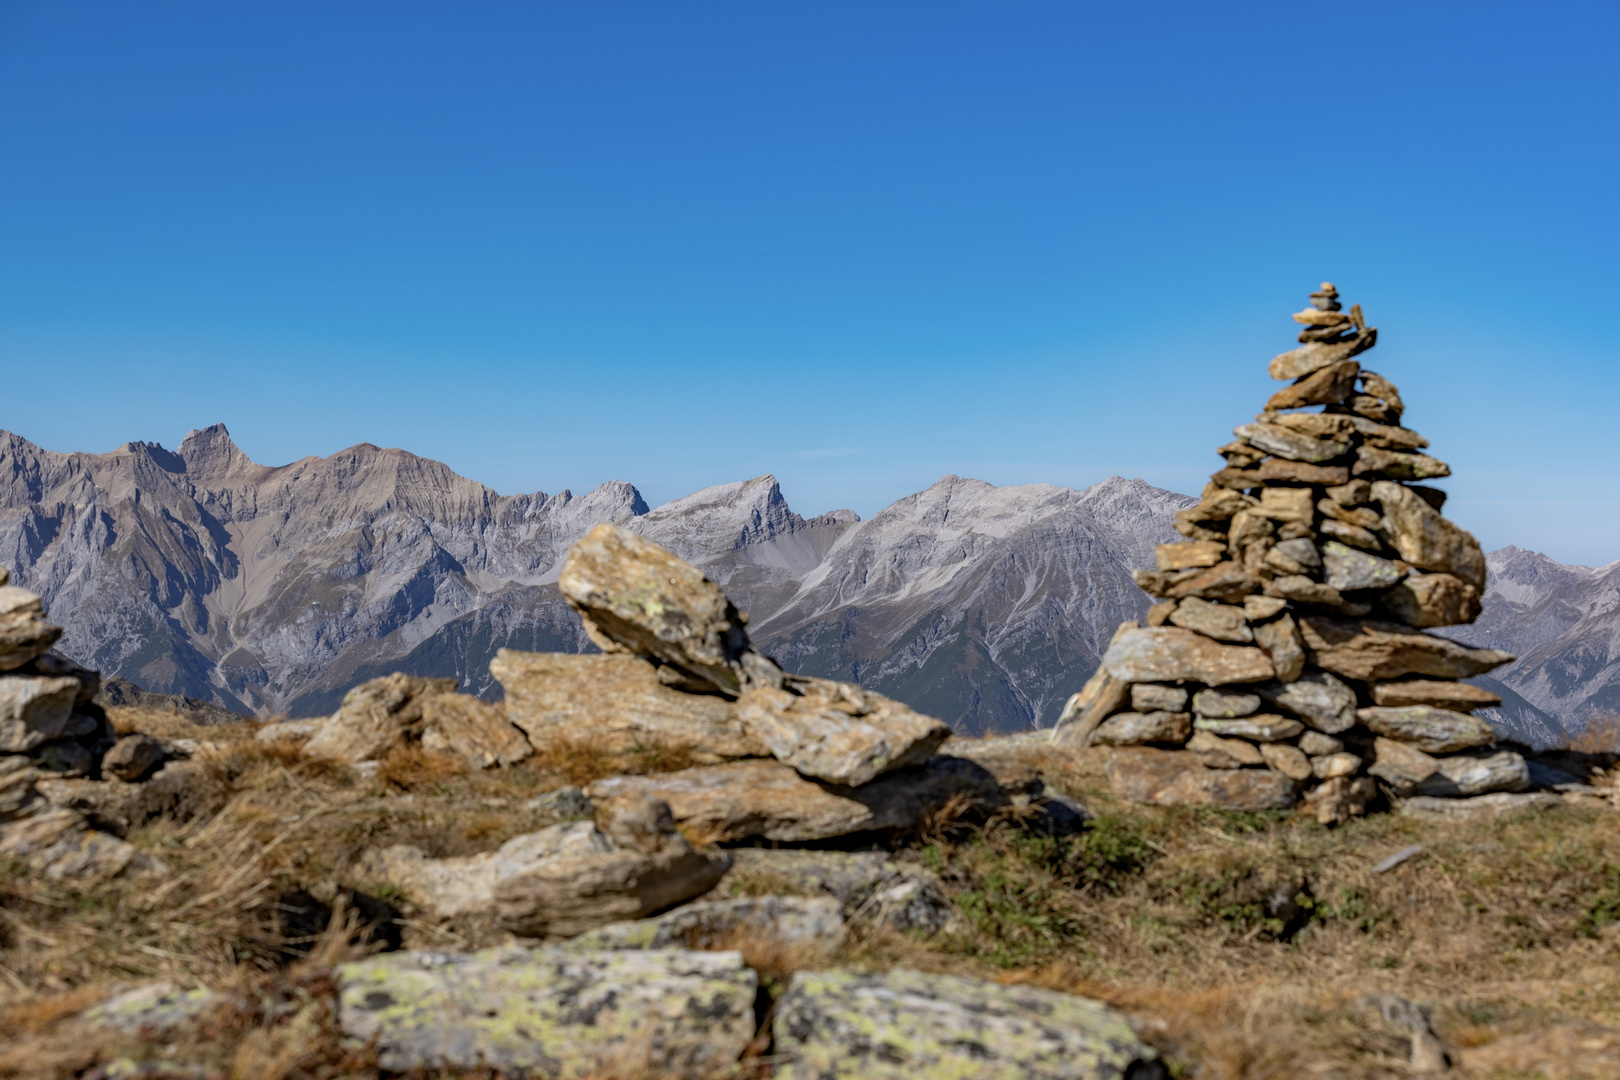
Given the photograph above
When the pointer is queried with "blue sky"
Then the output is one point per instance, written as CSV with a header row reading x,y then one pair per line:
x,y
856,245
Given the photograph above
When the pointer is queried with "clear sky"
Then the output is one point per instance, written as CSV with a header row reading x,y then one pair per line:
x,y
859,245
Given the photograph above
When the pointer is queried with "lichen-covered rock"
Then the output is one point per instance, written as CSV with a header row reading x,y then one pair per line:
x,y
905,1025
59,843
638,597
708,924
836,731
473,729
374,717
552,1012
868,885
1264,727
151,1008
620,699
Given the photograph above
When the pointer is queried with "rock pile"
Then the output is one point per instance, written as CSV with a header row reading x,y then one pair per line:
x,y
52,734
1288,656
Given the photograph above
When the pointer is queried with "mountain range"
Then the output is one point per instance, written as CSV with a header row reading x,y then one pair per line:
x,y
272,590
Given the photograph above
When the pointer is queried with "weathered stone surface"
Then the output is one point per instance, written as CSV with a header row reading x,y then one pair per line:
x,y
710,924
836,731
1466,775
465,885
1264,727
1173,654
1399,465
1433,600
1320,699
132,757
1259,608
1329,766
1313,316
1285,504
1179,778
1282,643
1437,731
1273,469
1425,539
59,844
1496,803
565,802
1225,704
374,717
639,597
1317,355
178,791
619,698
1369,650
1288,760
1219,753
1384,390
1355,493
1216,506
1347,569
1338,800
1388,436
1302,590
904,1025
474,729
17,794
1318,425
34,709
152,1008
24,633
1223,581
1324,386
1315,744
1223,622
1293,445
552,1012
868,885
1134,728
1354,535
1442,694
56,665
771,800
1188,555
1155,697
653,868
1401,763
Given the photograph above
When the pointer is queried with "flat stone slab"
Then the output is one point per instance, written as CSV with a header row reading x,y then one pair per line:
x,y
906,1025
552,1012
868,885
709,924
1500,802
1179,778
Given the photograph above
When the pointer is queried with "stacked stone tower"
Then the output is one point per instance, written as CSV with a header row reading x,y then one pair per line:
x,y
1287,655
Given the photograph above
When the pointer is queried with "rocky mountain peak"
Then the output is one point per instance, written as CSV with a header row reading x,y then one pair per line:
x,y
211,458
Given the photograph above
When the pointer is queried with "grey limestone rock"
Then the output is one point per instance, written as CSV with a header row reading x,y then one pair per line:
x,y
709,924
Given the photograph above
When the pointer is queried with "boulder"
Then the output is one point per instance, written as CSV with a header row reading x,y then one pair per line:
x,y
374,717
24,633
34,709
465,885
905,1025
1466,775
132,757
1179,778
771,800
1173,654
1347,569
869,886
638,597
1223,622
1433,600
621,699
1323,701
1427,540
1261,728
1134,728
473,729
1441,693
1436,731
713,924
1281,642
1368,650
552,1012
836,731
653,867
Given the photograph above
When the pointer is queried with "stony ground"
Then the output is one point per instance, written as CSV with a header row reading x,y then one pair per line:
x,y
1244,945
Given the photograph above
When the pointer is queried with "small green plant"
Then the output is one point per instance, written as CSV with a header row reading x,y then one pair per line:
x,y
1605,906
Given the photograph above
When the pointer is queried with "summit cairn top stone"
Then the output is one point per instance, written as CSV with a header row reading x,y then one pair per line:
x,y
1313,567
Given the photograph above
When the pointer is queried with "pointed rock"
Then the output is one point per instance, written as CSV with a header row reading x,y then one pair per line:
x,y
836,731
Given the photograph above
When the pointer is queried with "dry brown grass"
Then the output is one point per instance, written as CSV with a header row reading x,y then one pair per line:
x,y
1601,735
578,757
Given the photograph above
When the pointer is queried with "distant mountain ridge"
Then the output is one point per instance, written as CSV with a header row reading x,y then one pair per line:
x,y
273,590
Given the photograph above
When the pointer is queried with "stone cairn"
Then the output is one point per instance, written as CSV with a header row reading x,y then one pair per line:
x,y
1287,655
51,730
